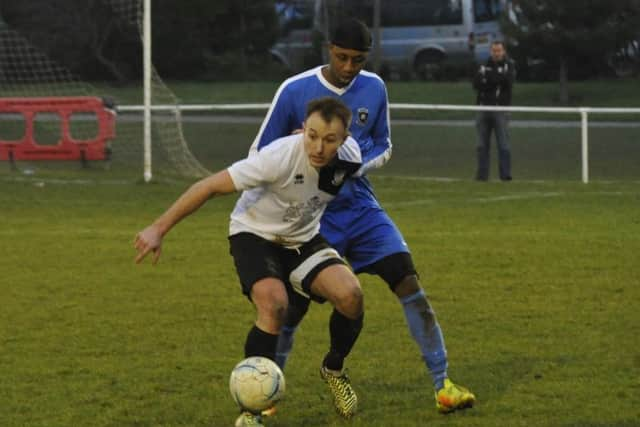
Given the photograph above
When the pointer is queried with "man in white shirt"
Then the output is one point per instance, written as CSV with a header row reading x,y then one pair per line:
x,y
274,235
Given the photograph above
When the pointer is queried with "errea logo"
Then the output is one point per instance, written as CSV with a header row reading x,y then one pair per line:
x,y
298,179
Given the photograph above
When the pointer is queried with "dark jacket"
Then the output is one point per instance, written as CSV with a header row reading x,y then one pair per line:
x,y
493,82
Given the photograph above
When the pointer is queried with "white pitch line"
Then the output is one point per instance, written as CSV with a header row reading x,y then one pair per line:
x,y
446,179
523,196
409,203
62,181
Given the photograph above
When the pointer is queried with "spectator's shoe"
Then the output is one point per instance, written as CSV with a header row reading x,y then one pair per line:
x,y
247,419
344,398
452,397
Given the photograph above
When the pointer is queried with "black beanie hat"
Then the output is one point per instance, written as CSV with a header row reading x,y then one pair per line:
x,y
352,34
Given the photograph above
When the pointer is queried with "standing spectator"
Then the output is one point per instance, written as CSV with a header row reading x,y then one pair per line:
x,y
493,82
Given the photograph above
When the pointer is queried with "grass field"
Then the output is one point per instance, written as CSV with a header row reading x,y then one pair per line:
x,y
601,93
536,282
536,285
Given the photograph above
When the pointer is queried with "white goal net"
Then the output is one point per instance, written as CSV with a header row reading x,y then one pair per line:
x,y
27,70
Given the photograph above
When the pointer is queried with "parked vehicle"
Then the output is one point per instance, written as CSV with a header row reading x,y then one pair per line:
x,y
486,26
417,36
300,43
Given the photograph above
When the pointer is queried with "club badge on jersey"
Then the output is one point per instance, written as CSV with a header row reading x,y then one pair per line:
x,y
363,115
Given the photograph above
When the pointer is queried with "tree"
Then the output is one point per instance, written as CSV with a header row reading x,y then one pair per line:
x,y
85,36
570,33
191,38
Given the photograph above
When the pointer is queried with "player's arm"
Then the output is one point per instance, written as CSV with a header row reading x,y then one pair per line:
x,y
150,239
380,154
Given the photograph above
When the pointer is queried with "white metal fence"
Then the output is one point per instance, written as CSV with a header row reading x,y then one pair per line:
x,y
581,112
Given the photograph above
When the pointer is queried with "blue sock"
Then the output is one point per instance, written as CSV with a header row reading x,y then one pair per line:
x,y
285,344
426,331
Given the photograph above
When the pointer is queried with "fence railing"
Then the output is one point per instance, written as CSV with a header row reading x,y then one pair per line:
x,y
583,113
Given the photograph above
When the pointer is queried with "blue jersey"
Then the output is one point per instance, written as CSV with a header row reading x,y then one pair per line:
x,y
366,96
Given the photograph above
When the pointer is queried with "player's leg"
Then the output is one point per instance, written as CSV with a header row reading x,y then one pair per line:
x,y
259,268
298,305
269,296
258,264
324,276
483,143
377,247
341,287
398,272
502,141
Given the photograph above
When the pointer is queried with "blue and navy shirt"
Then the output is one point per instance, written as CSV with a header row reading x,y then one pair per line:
x,y
366,96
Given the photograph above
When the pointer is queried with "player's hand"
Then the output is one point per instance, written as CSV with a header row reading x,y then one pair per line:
x,y
148,240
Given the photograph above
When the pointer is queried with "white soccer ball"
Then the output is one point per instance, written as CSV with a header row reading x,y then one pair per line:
x,y
256,384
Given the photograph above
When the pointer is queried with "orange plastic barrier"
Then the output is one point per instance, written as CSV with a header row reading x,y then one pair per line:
x,y
67,147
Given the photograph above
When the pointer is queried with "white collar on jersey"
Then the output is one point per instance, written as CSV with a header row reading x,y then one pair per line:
x,y
337,90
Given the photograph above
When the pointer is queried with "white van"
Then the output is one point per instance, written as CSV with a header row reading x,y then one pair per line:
x,y
419,36
486,26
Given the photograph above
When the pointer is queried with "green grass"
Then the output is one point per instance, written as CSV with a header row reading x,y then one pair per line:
x,y
535,282
602,93
536,286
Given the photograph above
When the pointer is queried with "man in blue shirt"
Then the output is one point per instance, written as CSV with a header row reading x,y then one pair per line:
x,y
354,222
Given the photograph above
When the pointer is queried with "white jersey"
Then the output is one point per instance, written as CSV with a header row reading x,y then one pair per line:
x,y
284,196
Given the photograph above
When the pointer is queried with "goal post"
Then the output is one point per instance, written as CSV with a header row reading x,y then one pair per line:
x,y
146,42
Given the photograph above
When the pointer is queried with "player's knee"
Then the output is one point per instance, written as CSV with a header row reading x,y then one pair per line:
x,y
409,285
275,310
271,301
350,301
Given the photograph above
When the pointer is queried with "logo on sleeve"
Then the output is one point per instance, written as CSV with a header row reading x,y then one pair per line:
x,y
363,115
298,179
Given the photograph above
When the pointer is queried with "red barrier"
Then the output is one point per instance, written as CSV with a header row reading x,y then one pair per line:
x,y
67,148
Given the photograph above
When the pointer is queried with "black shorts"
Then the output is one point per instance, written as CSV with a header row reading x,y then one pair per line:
x,y
393,268
256,258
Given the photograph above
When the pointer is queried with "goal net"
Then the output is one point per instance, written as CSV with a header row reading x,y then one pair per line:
x,y
27,69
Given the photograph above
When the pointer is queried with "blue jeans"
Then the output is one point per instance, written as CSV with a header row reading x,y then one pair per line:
x,y
498,122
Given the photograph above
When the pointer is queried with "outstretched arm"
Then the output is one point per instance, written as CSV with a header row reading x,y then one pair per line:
x,y
150,239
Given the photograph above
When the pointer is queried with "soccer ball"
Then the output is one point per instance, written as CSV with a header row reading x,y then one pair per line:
x,y
256,384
